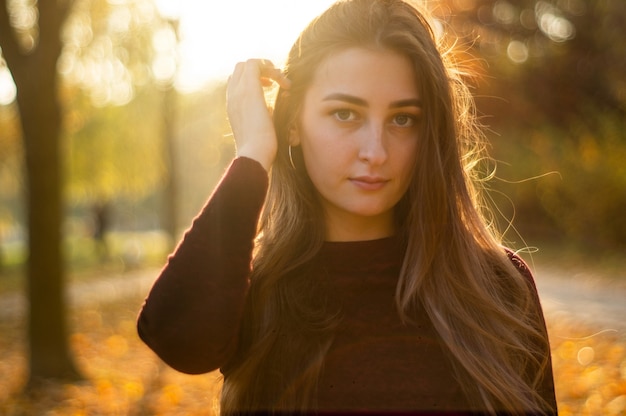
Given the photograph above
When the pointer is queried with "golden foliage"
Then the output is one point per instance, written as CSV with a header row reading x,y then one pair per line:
x,y
590,368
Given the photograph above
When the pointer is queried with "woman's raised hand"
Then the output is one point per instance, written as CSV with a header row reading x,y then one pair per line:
x,y
248,113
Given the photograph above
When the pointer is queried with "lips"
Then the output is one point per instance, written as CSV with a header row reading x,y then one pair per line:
x,y
369,183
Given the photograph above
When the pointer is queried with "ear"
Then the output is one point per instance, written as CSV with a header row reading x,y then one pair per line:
x,y
294,136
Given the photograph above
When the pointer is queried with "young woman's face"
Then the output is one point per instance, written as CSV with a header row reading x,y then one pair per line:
x,y
358,129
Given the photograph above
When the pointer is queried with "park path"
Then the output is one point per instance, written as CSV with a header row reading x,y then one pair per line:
x,y
101,290
583,296
580,296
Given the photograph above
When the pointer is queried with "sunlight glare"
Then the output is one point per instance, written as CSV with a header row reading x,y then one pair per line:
x,y
7,87
216,35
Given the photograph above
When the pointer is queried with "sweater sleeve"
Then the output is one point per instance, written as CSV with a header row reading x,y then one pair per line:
x,y
546,388
192,314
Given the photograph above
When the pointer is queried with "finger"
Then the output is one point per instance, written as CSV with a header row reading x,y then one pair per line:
x,y
279,77
264,69
266,63
235,77
269,72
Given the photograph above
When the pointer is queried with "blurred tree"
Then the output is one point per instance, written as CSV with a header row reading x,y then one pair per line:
x,y
106,143
117,113
171,194
205,147
557,60
31,45
555,89
111,101
10,180
103,51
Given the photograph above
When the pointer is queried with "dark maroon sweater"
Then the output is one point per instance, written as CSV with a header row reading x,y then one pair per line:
x,y
376,363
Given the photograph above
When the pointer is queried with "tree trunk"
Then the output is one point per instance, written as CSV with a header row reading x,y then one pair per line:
x,y
170,188
35,76
47,329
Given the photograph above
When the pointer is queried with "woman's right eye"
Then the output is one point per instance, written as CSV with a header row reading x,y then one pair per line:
x,y
344,115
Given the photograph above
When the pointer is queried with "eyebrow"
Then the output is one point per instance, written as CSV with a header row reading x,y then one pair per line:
x,y
410,102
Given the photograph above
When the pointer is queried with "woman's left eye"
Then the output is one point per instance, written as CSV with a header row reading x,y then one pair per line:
x,y
404,120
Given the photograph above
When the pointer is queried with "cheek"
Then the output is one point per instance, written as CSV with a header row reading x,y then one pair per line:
x,y
324,148
322,158
406,157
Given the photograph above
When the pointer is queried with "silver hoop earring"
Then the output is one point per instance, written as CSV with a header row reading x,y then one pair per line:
x,y
291,159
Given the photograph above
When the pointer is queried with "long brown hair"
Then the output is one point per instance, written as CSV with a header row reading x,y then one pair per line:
x,y
455,266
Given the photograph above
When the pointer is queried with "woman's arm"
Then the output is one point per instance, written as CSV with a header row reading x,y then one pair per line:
x,y
192,314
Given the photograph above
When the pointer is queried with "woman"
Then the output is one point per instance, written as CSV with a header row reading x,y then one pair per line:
x,y
342,264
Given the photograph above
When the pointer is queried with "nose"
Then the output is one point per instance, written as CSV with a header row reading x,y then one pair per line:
x,y
372,146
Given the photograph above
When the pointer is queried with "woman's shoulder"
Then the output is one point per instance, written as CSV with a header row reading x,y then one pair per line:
x,y
522,267
518,262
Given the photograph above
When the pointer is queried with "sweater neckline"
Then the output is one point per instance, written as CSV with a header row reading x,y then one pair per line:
x,y
365,255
